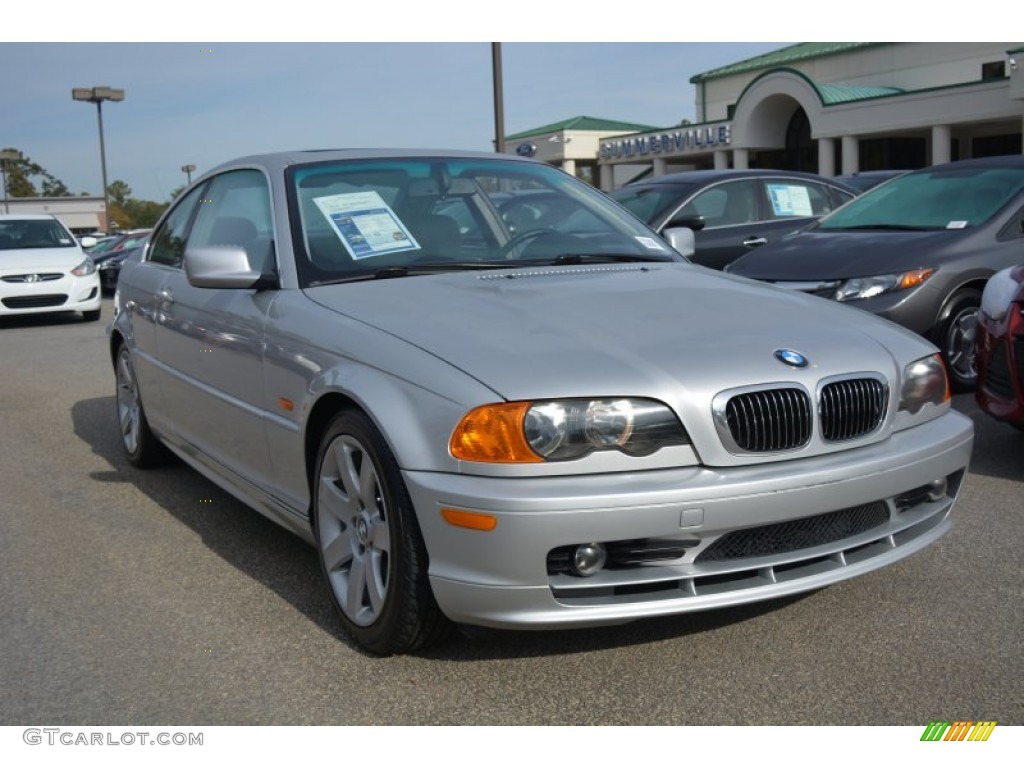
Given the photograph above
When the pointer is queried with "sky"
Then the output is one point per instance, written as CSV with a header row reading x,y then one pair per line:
x,y
204,104
206,101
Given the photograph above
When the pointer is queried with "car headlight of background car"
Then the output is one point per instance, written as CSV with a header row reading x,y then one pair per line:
x,y
924,383
84,269
866,287
561,430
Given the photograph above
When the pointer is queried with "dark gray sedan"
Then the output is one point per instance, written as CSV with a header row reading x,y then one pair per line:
x,y
561,424
733,212
916,250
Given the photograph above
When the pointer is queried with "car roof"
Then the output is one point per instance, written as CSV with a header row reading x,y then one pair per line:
x,y
278,161
995,161
703,177
26,216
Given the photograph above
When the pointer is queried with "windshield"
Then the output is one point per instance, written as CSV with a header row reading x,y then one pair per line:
x,y
651,202
394,217
34,233
944,198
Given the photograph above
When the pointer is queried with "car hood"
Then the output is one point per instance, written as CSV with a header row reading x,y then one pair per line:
x,y
623,330
40,260
818,255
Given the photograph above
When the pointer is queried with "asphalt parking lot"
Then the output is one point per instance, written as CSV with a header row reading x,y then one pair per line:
x,y
135,597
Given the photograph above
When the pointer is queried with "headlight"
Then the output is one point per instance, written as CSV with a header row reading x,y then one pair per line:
x,y
866,287
560,430
87,267
924,381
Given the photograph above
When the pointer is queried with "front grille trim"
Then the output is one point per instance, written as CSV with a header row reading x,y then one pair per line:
x,y
851,406
42,277
763,419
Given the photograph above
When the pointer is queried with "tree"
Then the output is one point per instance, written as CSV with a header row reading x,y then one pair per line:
x,y
119,192
20,175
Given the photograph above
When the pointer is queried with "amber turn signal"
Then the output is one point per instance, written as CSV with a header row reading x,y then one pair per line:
x,y
493,433
476,521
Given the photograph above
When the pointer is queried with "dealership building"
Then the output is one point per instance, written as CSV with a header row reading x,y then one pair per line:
x,y
827,108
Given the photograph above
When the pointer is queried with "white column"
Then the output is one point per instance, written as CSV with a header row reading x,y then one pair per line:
x,y
569,166
826,157
721,159
660,167
851,154
942,142
606,177
740,158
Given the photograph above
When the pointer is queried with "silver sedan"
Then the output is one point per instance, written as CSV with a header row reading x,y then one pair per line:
x,y
519,422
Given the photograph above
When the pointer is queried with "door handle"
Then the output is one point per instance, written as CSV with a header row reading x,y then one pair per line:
x,y
753,242
165,295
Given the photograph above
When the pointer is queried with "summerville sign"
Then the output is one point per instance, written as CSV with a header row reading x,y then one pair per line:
x,y
667,142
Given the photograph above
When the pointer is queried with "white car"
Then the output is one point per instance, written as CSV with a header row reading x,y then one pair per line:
x,y
44,269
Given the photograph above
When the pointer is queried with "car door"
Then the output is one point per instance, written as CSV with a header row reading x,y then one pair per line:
x,y
141,298
211,341
732,221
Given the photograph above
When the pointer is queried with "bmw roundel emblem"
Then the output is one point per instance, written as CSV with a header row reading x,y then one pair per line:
x,y
791,358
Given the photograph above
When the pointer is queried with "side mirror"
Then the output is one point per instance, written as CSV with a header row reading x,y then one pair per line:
x,y
682,240
221,266
690,221
88,242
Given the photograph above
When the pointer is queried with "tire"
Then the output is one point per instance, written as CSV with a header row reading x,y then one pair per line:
x,y
141,446
955,336
91,316
369,542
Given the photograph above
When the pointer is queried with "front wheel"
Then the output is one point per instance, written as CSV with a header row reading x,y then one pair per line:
x,y
955,335
371,549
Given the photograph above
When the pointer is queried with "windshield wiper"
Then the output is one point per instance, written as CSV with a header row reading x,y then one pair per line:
x,y
893,227
594,258
385,273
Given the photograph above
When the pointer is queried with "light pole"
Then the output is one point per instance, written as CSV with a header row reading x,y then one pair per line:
x,y
187,170
499,99
97,96
6,155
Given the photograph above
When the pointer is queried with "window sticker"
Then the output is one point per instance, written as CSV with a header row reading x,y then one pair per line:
x,y
956,225
790,200
366,224
650,243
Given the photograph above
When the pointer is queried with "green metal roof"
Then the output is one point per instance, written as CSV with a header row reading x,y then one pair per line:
x,y
582,123
838,94
788,55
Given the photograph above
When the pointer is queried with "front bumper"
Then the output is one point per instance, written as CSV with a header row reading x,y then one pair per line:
x,y
67,294
500,578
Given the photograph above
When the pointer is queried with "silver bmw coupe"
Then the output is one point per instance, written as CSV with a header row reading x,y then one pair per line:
x,y
488,395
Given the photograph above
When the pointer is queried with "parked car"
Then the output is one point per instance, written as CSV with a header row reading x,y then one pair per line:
x,y
862,181
732,211
554,427
109,262
44,269
1000,347
916,250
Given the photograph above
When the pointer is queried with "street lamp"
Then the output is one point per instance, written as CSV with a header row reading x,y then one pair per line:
x,y
97,96
5,156
187,170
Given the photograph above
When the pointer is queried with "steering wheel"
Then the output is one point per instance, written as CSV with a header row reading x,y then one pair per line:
x,y
524,237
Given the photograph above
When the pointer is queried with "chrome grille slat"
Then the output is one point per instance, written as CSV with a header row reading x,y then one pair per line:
x,y
851,408
769,420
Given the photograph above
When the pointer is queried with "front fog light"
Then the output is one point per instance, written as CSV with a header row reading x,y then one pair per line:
x,y
588,559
